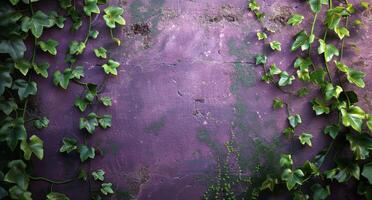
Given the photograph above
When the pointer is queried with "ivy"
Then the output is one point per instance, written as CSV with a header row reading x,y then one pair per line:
x,y
49,46
305,139
295,20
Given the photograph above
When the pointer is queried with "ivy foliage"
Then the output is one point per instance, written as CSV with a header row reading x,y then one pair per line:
x,y
20,68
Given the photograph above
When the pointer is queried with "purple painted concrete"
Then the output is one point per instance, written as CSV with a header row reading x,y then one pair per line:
x,y
190,71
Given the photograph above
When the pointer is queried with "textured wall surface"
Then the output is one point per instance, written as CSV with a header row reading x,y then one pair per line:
x,y
187,84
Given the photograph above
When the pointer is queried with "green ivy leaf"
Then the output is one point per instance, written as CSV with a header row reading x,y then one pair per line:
x,y
332,130
344,171
369,122
49,46
110,67
288,131
15,48
17,174
14,2
41,69
17,192
320,107
274,70
253,5
294,120
56,19
12,131
261,36
275,45
106,188
295,19
318,76
35,146
57,196
5,80
106,101
89,123
86,153
356,77
330,91
83,175
100,52
302,92
76,48
69,145
65,3
292,178
329,50
91,93
113,16
302,63
36,23
105,121
316,5
8,106
286,160
261,59
360,145
99,175
81,104
300,196
334,15
342,32
62,79
90,6
311,168
285,79
320,192
305,138
23,66
25,88
302,40
269,183
278,103
367,172
353,117
41,123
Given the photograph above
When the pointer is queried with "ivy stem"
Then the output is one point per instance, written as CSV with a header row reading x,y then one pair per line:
x,y
312,29
39,178
25,108
35,39
112,34
89,29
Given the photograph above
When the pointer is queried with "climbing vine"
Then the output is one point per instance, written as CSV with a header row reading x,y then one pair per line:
x,y
20,22
345,159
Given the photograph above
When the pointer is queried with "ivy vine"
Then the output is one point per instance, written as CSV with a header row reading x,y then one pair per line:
x,y
347,156
20,21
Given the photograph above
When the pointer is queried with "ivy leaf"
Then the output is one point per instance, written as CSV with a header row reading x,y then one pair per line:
x,y
56,19
353,117
360,145
331,92
274,70
106,101
329,50
100,52
316,5
334,15
106,188
81,104
292,178
91,93
269,183
105,121
342,32
99,175
320,107
302,92
83,175
86,153
14,2
57,196
253,5
369,122
69,145
344,171
320,192
286,160
302,40
305,138
49,46
17,174
332,130
278,103
261,36
110,67
261,59
12,131
288,131
62,79
300,196
93,34
89,123
356,77
41,123
275,45
302,63
367,172
285,79
318,76
8,106
295,19
22,65
5,80
78,72
15,48
65,3
90,6
76,47
17,192
113,16
36,23
35,146
311,168
25,88
294,120
41,69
